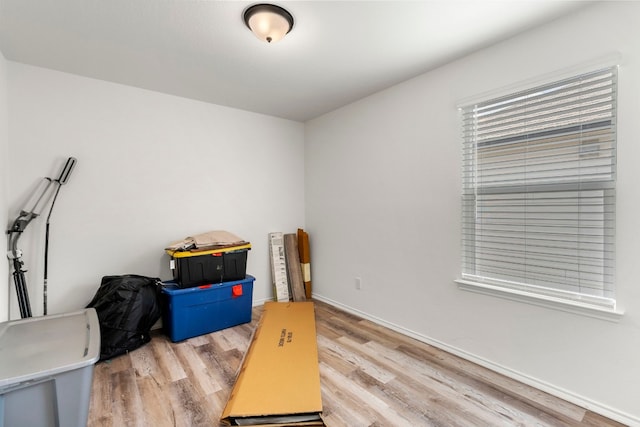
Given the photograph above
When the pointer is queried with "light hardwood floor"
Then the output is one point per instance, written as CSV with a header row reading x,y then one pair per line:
x,y
370,375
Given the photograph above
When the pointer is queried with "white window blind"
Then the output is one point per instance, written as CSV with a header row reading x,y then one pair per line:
x,y
538,205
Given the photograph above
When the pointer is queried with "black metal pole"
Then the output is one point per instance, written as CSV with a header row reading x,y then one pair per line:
x,y
46,254
62,179
46,265
21,289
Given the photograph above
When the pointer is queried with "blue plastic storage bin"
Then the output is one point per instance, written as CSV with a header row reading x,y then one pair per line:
x,y
189,312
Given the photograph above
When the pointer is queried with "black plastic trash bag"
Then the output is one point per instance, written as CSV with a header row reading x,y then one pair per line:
x,y
127,307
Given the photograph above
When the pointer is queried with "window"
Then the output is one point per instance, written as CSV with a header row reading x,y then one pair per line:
x,y
538,203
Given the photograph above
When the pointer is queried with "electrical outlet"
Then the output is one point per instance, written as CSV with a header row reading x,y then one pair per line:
x,y
358,283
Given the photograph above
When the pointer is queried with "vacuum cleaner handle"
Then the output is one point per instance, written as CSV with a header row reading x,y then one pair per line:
x,y
66,171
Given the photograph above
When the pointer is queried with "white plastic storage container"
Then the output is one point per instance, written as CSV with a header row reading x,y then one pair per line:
x,y
46,369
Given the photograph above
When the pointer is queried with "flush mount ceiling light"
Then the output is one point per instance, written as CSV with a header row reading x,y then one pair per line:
x,y
268,22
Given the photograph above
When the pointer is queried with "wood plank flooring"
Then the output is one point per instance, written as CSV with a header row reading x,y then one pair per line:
x,y
370,375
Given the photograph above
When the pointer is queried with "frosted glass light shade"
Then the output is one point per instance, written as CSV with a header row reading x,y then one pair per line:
x,y
268,22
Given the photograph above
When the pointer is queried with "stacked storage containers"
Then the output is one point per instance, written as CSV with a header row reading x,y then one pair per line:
x,y
210,291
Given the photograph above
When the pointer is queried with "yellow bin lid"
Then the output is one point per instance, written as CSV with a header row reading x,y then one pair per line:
x,y
184,254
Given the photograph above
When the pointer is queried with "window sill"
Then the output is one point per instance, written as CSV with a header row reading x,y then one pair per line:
x,y
575,307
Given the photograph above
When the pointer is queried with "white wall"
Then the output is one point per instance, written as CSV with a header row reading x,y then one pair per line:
x,y
382,198
151,169
4,270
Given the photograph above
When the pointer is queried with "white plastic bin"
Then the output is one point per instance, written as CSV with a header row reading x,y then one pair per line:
x,y
46,369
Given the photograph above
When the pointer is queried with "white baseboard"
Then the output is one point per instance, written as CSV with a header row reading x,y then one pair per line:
x,y
589,404
259,302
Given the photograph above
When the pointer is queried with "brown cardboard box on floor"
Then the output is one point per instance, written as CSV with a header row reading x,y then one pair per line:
x,y
279,381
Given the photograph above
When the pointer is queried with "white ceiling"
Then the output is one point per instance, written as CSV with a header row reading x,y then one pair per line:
x,y
337,52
